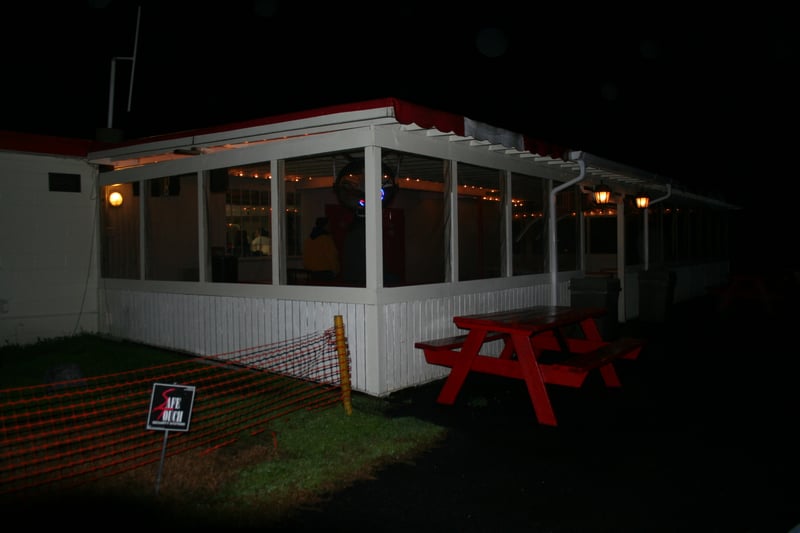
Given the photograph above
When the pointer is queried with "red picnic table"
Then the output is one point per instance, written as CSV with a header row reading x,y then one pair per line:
x,y
542,345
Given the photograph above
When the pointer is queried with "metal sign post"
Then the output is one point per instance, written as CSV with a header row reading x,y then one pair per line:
x,y
170,410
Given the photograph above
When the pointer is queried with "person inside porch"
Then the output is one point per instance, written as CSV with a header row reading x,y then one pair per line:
x,y
320,255
261,245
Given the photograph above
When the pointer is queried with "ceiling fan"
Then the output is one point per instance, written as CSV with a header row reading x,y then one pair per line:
x,y
349,185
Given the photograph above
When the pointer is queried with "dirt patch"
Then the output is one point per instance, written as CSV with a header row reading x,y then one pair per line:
x,y
193,478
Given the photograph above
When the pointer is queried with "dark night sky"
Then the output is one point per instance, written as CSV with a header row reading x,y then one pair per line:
x,y
656,89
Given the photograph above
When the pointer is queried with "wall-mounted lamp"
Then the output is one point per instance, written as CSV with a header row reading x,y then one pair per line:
x,y
115,199
642,200
602,194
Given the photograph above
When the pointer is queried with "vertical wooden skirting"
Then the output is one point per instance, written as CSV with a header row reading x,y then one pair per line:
x,y
344,363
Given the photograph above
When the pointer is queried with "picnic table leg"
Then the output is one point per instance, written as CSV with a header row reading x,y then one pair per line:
x,y
459,371
608,372
508,348
534,380
590,331
610,377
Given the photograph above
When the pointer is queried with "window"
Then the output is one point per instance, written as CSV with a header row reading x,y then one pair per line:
x,y
240,232
171,234
528,225
62,182
567,222
480,222
416,237
120,237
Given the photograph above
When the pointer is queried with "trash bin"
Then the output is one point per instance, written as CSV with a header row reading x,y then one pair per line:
x,y
656,292
599,291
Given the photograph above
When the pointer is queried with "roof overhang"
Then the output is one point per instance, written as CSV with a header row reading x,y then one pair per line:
x,y
445,126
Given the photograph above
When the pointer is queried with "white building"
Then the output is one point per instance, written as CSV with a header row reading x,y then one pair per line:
x,y
474,218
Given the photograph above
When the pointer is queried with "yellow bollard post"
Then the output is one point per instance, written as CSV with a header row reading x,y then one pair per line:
x,y
344,363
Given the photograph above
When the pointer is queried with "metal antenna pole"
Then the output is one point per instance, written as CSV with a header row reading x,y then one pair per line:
x,y
133,62
112,82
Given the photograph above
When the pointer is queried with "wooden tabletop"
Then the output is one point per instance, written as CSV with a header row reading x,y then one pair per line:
x,y
528,320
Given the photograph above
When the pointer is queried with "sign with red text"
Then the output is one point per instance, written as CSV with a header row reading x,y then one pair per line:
x,y
170,407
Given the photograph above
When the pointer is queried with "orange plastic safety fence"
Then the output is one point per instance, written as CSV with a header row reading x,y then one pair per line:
x,y
68,433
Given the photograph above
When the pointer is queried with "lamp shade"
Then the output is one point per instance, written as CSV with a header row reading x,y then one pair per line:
x,y
115,199
602,194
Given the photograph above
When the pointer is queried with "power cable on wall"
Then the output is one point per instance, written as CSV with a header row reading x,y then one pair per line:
x,y
92,237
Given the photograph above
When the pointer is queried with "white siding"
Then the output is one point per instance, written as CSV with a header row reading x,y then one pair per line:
x,y
216,325
219,325
48,266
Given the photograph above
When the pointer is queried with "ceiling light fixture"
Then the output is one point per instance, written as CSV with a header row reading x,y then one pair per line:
x,y
188,151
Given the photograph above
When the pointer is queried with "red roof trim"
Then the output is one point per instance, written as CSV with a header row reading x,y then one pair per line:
x,y
45,144
404,112
407,113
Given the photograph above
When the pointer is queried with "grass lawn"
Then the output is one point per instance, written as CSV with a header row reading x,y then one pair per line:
x,y
255,481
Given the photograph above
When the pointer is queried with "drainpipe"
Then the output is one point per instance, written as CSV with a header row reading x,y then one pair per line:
x,y
572,156
647,227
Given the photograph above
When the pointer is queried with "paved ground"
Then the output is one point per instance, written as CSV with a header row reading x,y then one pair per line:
x,y
702,437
